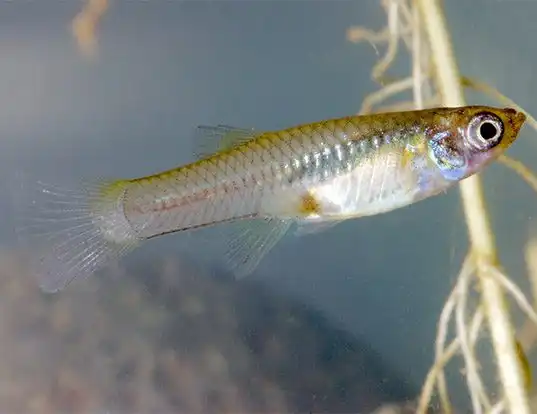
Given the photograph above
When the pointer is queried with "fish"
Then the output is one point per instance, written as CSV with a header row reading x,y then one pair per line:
x,y
311,176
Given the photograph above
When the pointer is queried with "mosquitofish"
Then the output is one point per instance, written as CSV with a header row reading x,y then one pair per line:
x,y
313,175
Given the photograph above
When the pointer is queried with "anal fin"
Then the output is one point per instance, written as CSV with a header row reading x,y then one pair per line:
x,y
251,241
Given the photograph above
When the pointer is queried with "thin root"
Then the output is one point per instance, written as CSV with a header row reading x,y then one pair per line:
x,y
404,24
85,23
384,93
520,169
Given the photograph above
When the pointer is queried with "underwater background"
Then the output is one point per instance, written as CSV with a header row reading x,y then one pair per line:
x,y
339,321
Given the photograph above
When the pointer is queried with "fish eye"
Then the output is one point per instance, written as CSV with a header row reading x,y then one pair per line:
x,y
488,130
485,130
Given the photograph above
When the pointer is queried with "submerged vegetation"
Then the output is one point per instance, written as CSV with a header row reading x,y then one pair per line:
x,y
479,298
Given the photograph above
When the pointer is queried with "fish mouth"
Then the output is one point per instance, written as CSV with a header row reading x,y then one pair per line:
x,y
516,119
519,120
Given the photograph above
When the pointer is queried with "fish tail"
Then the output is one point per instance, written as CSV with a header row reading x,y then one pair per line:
x,y
70,233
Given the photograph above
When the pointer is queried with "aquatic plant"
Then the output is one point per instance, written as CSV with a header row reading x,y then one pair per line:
x,y
421,27
84,26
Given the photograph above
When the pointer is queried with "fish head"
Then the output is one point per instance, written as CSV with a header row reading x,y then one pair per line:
x,y
462,141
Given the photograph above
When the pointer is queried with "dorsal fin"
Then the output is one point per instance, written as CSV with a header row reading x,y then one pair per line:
x,y
211,139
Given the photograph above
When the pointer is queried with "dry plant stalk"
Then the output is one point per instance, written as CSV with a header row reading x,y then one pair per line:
x,y
528,333
420,26
84,26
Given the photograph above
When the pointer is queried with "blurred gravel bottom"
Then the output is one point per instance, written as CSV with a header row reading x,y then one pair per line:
x,y
164,338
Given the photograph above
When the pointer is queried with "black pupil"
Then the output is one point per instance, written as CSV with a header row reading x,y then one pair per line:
x,y
488,130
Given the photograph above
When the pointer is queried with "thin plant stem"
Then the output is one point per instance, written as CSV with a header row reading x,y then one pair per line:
x,y
84,26
528,334
481,236
417,70
521,170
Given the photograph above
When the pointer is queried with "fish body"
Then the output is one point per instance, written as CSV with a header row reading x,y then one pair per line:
x,y
316,175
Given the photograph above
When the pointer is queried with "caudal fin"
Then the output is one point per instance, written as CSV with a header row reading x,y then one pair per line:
x,y
70,233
